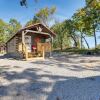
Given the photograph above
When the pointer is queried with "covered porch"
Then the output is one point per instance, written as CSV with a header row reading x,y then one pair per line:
x,y
36,43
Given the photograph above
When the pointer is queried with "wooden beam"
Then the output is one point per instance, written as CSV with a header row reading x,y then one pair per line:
x,y
23,37
38,32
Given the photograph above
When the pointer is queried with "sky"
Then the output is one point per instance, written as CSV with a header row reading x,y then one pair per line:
x,y
65,9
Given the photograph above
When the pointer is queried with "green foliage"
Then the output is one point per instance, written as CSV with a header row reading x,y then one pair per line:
x,y
65,35
61,41
93,12
8,29
14,26
87,19
3,31
44,16
84,22
70,28
33,21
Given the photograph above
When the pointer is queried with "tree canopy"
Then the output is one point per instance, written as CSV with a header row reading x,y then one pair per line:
x,y
8,29
44,16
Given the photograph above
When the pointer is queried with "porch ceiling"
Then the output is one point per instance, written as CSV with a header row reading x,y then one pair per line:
x,y
38,32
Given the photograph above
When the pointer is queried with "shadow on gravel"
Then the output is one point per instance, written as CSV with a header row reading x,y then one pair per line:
x,y
78,67
63,88
30,84
9,57
76,89
32,88
75,59
27,86
3,56
6,56
3,68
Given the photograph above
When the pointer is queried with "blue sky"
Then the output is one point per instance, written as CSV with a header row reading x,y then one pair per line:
x,y
65,9
12,9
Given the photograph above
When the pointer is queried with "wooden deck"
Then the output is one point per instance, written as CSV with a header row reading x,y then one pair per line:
x,y
42,48
32,54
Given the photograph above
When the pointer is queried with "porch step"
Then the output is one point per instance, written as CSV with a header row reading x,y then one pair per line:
x,y
31,55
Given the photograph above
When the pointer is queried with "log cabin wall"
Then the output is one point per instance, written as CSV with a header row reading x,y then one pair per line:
x,y
19,43
14,47
11,45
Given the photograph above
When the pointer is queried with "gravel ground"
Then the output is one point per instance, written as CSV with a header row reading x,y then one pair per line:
x,y
63,77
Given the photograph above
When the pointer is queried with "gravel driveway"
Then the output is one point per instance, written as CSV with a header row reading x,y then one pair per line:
x,y
64,77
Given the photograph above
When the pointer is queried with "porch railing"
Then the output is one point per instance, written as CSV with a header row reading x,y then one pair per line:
x,y
46,46
41,48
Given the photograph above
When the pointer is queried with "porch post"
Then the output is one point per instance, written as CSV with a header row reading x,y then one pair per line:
x,y
51,46
24,48
22,41
43,52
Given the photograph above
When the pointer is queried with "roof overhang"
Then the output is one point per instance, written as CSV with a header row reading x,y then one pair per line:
x,y
28,29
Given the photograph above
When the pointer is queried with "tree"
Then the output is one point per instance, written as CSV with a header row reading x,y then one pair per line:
x,y
44,16
14,26
93,12
3,31
61,39
8,29
71,31
82,25
32,21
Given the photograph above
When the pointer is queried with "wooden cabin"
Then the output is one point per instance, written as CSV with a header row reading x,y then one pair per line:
x,y
31,42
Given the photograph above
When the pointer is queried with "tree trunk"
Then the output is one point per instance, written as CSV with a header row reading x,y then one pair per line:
x,y
61,47
61,44
75,42
81,40
94,32
86,42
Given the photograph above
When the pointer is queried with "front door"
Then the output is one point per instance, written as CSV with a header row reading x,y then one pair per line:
x,y
28,43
